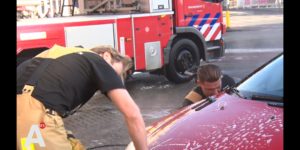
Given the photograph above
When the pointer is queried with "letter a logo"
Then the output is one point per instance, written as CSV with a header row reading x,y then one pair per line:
x,y
29,140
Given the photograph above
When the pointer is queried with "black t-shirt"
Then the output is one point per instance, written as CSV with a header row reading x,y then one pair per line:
x,y
72,79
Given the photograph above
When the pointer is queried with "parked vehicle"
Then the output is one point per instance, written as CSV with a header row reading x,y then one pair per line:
x,y
248,116
168,37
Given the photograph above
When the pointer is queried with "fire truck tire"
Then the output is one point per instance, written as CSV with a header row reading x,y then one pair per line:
x,y
184,55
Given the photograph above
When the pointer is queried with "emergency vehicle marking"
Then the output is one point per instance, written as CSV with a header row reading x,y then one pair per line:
x,y
204,28
218,35
33,36
215,19
204,20
194,19
210,31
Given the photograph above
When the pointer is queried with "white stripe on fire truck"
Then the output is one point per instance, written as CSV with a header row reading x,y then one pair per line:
x,y
204,28
212,31
218,36
33,36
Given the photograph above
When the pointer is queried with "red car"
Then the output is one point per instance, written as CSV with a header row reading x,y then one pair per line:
x,y
248,116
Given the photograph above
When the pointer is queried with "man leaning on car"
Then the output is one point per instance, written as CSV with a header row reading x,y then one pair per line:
x,y
210,81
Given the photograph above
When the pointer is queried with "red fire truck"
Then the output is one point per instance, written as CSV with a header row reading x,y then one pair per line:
x,y
169,37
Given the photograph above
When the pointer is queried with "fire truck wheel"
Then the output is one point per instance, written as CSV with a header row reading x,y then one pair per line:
x,y
184,56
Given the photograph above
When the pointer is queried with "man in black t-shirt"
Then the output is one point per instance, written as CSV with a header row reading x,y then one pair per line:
x,y
58,81
210,81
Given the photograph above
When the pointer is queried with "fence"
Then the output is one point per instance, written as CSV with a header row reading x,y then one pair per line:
x,y
255,3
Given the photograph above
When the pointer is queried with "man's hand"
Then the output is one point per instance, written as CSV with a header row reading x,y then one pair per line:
x,y
132,115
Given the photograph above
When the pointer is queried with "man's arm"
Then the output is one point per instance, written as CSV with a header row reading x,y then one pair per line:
x,y
132,115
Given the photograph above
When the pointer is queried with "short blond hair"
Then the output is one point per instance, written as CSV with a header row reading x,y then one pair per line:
x,y
116,57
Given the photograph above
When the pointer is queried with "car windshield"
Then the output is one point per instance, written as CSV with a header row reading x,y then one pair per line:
x,y
267,82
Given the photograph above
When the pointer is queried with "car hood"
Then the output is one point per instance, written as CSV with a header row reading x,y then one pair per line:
x,y
241,124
